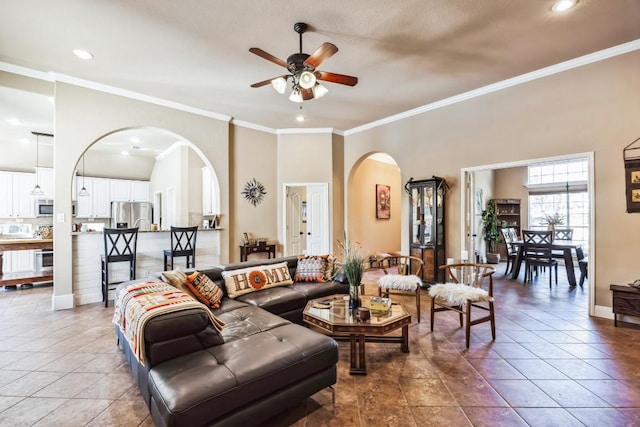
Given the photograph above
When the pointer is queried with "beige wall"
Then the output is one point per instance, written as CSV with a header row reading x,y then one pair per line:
x,y
374,235
592,108
305,159
253,155
337,189
84,116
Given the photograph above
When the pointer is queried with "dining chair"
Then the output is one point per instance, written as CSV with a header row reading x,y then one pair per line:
x,y
183,244
407,281
561,234
509,235
537,253
120,245
463,290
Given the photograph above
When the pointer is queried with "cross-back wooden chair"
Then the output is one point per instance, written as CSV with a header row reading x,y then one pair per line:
x,y
120,245
183,244
509,235
467,285
562,234
406,281
538,253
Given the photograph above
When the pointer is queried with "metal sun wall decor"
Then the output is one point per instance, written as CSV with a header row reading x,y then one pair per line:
x,y
254,192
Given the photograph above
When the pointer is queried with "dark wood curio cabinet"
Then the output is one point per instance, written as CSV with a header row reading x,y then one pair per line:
x,y
427,225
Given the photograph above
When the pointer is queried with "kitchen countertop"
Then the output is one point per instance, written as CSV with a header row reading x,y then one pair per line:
x,y
80,233
25,244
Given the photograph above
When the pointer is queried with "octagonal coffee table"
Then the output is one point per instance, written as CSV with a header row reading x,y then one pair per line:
x,y
341,324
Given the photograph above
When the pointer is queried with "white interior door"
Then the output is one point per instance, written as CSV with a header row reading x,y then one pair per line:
x,y
317,219
296,238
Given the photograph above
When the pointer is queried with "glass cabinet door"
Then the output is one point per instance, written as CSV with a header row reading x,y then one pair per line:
x,y
428,218
416,216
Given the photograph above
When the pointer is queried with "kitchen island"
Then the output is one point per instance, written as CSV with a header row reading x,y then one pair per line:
x,y
89,246
13,279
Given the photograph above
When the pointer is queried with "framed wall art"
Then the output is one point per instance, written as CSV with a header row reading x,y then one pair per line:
x,y
632,176
383,201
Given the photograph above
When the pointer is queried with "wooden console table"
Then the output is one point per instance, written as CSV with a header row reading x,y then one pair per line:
x,y
246,250
626,300
13,279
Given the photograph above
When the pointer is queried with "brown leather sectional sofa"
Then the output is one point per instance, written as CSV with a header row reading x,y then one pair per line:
x,y
263,363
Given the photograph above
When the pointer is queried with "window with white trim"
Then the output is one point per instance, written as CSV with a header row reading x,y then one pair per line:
x,y
561,187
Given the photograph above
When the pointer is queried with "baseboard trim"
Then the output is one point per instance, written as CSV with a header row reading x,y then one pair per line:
x,y
62,302
607,313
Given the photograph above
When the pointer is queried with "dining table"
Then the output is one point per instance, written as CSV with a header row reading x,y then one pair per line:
x,y
568,247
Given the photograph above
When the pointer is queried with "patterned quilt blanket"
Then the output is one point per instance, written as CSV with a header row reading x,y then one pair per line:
x,y
139,302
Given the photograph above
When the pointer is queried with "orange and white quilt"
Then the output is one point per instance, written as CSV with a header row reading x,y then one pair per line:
x,y
139,302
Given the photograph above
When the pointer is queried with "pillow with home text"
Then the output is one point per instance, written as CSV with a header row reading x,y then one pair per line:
x,y
251,279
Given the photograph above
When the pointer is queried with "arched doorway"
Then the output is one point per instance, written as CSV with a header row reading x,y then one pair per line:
x,y
374,204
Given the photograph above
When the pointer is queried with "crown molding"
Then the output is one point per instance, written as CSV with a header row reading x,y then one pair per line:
x,y
289,131
253,126
504,84
27,72
138,96
494,87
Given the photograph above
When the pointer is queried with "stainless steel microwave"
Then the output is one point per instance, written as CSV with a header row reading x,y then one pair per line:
x,y
44,207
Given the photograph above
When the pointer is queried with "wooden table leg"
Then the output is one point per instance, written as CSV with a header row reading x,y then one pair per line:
x,y
515,270
405,339
358,365
568,263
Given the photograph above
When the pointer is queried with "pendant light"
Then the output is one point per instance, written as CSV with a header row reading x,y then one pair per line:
x,y
83,191
37,191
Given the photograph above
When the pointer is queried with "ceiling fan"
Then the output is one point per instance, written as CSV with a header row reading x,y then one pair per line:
x,y
303,70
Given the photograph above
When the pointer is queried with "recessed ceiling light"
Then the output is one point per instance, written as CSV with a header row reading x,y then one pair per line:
x,y
14,121
563,5
124,153
82,54
300,118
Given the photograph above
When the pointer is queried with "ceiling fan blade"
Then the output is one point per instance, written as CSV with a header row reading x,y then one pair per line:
x,y
266,82
262,54
326,50
307,94
336,78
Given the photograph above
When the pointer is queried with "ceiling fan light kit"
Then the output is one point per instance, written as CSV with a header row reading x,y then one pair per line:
x,y
303,71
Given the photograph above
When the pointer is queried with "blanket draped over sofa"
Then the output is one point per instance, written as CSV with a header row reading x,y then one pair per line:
x,y
140,302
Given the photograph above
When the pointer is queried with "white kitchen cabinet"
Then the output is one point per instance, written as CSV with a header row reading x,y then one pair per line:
x,y
98,203
16,200
6,195
140,191
120,190
18,261
124,190
45,181
210,193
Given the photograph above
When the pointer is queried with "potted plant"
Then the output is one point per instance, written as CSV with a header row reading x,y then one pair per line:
x,y
491,232
353,266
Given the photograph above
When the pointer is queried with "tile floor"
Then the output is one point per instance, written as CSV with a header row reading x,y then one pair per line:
x,y
551,365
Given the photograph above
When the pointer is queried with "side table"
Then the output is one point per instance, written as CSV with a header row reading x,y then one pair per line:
x,y
626,300
246,250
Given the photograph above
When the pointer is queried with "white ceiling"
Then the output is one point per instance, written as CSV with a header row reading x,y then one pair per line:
x,y
406,53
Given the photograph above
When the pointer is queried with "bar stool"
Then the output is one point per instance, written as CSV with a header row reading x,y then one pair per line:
x,y
183,243
120,245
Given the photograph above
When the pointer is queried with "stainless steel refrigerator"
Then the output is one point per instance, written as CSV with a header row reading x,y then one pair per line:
x,y
132,214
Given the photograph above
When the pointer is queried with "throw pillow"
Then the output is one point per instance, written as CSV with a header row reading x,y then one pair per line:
x,y
329,272
178,279
204,289
311,268
251,279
